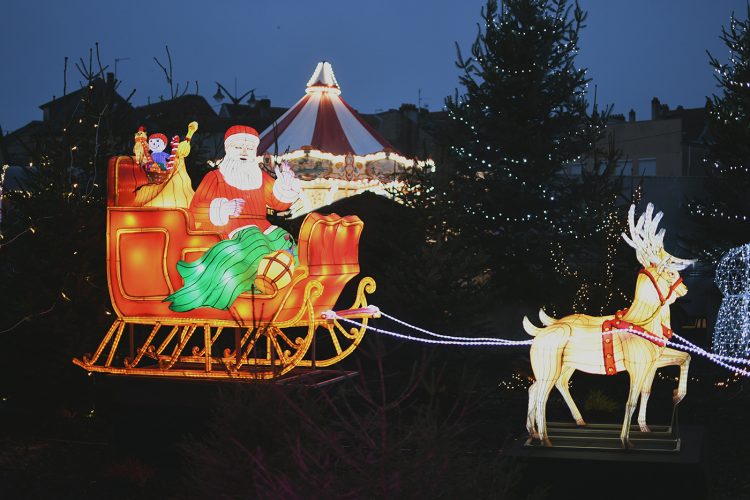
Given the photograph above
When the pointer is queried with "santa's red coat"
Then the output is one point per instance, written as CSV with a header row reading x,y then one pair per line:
x,y
253,213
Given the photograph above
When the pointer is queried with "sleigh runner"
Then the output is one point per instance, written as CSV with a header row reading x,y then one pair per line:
x,y
261,336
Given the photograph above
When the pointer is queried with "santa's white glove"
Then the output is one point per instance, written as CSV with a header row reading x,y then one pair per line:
x,y
221,209
287,187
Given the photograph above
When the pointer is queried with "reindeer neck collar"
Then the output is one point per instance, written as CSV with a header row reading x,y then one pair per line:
x,y
672,288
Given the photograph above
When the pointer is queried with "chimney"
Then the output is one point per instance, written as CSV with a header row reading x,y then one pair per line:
x,y
655,108
631,115
111,79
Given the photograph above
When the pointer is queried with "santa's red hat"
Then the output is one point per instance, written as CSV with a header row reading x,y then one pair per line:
x,y
158,136
241,132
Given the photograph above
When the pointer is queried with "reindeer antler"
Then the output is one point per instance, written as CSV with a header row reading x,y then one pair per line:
x,y
648,243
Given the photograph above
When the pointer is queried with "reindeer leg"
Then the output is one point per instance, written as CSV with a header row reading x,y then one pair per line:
x,y
669,357
530,423
562,386
638,375
542,395
645,393
547,364
684,362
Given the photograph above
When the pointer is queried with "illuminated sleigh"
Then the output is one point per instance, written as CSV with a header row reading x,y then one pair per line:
x,y
260,336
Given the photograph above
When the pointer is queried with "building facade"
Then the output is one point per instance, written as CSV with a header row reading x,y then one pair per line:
x,y
670,144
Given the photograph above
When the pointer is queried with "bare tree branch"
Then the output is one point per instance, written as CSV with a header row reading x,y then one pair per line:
x,y
28,318
168,73
98,60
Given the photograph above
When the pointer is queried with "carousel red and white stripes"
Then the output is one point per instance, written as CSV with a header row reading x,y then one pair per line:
x,y
323,121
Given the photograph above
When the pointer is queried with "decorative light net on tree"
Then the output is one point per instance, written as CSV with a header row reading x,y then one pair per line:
x,y
732,332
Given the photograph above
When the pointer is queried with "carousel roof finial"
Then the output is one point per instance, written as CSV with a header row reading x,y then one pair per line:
x,y
321,120
323,79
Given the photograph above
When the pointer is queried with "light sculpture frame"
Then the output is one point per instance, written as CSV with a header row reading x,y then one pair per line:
x,y
633,340
262,336
732,331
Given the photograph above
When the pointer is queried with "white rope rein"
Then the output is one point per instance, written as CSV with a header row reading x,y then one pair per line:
x,y
677,341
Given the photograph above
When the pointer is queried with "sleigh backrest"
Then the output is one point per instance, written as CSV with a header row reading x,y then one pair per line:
x,y
329,247
330,243
123,177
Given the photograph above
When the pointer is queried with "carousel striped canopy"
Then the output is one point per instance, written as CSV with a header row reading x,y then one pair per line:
x,y
322,120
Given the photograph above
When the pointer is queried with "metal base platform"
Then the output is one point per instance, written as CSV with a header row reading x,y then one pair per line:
x,y
662,438
590,463
601,442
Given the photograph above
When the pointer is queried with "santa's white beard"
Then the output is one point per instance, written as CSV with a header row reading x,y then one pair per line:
x,y
242,174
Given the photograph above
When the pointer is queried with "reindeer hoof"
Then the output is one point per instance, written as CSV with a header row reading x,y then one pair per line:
x,y
627,445
546,442
677,399
644,428
581,423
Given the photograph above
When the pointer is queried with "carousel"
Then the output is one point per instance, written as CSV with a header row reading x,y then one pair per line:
x,y
332,149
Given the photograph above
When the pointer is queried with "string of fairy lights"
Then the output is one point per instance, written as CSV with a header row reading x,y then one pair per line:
x,y
486,157
677,342
728,159
716,212
612,226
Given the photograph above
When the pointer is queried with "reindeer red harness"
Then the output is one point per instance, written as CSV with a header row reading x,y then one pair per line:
x,y
617,323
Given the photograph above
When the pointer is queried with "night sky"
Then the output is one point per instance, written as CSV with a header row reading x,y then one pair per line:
x,y
382,51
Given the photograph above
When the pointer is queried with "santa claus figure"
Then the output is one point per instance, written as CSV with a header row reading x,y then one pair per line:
x,y
232,200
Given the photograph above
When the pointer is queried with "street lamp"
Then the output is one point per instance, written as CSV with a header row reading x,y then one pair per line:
x,y
218,96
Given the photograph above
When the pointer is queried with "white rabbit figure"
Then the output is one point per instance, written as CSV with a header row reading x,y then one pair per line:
x,y
732,331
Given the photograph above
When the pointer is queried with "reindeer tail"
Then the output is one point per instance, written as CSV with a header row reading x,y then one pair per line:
x,y
530,328
545,318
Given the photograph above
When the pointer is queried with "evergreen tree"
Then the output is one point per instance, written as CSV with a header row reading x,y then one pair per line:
x,y
724,212
505,197
52,250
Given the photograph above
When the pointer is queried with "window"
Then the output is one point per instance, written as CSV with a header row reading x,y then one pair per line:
x,y
624,167
647,167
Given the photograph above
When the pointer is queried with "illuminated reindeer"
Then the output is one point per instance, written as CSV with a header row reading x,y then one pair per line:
x,y
595,344
670,357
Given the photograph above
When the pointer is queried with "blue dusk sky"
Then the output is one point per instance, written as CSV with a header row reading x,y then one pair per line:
x,y
384,52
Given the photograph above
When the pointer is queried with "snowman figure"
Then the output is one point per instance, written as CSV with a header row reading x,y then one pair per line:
x,y
156,144
732,331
